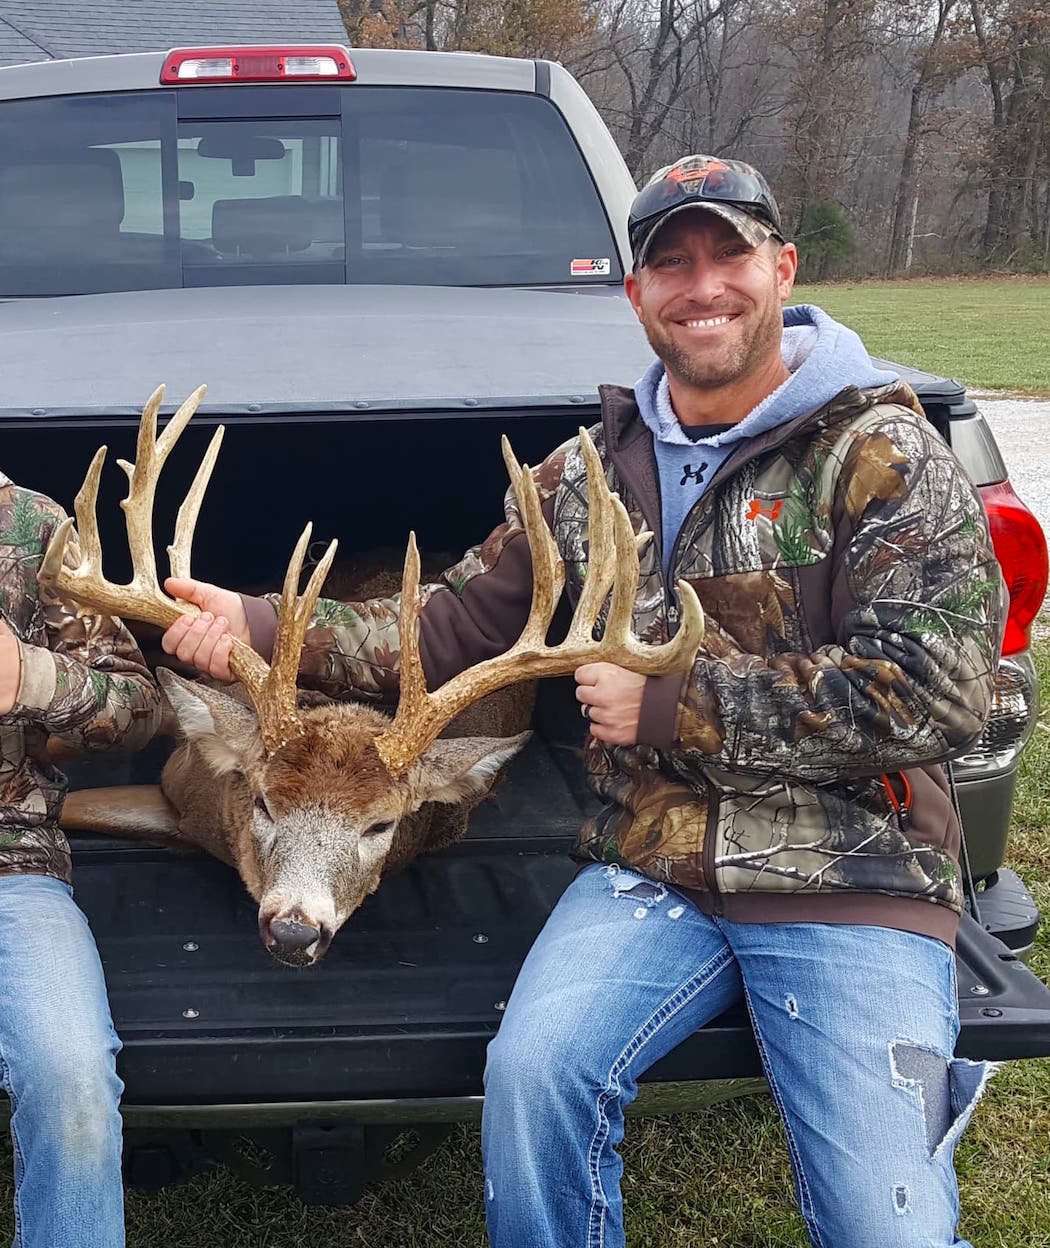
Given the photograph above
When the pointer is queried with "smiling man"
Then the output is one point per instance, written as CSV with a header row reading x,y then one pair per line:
x,y
776,827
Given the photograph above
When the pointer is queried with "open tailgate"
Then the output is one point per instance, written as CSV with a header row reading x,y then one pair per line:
x,y
413,987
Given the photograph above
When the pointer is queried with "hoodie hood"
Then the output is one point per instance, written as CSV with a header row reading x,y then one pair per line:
x,y
824,358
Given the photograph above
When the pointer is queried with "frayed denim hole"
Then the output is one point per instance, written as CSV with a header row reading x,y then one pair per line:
x,y
627,884
948,1090
968,1082
924,1072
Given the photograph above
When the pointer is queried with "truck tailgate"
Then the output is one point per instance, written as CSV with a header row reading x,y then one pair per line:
x,y
412,989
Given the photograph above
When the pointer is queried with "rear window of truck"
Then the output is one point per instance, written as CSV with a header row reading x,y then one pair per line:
x,y
204,187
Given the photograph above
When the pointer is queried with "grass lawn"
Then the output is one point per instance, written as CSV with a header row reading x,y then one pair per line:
x,y
717,1177
988,334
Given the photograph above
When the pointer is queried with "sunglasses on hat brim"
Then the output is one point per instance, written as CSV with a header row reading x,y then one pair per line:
x,y
754,227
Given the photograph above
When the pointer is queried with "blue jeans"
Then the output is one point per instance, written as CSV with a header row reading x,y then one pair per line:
x,y
856,1027
58,1055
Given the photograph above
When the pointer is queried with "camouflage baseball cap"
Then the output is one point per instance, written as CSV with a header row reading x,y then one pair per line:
x,y
730,189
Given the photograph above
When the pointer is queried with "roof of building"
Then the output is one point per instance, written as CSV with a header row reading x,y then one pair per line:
x,y
41,30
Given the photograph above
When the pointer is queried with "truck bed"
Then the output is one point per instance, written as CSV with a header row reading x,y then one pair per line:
x,y
413,987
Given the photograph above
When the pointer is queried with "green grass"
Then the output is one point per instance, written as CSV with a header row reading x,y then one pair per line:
x,y
986,333
720,1176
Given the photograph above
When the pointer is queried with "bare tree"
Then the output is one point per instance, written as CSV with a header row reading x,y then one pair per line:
x,y
929,69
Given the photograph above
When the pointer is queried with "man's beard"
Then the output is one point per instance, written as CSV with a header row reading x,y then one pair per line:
x,y
707,370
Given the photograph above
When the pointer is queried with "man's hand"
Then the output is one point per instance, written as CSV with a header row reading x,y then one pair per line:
x,y
206,640
10,669
612,701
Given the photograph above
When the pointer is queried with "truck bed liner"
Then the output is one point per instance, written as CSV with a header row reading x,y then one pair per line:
x,y
413,987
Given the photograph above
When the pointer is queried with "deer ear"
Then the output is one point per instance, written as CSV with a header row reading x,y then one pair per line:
x,y
225,731
454,769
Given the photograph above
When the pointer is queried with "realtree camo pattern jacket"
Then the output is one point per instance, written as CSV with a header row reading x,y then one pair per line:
x,y
83,680
854,618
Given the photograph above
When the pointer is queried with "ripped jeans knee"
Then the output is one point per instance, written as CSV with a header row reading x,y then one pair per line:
x,y
947,1090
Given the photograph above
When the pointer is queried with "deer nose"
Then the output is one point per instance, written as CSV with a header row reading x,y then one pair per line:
x,y
290,936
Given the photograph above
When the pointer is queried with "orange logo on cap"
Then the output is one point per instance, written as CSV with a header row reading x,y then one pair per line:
x,y
696,173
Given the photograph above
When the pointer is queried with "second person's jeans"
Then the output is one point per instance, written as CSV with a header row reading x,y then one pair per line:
x,y
58,1055
856,1027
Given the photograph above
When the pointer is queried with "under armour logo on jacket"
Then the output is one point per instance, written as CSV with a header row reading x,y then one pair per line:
x,y
697,476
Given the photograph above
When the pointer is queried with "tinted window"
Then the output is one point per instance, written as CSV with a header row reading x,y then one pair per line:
x,y
408,185
82,200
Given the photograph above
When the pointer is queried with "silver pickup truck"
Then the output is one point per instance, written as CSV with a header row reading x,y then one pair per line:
x,y
379,262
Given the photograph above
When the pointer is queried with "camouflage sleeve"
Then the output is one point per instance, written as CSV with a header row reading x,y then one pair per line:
x,y
475,611
917,611
89,685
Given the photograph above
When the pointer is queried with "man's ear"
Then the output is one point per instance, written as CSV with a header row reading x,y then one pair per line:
x,y
632,290
455,769
225,731
787,267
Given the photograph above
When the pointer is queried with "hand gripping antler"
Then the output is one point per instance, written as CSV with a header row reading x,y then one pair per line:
x,y
612,564
272,687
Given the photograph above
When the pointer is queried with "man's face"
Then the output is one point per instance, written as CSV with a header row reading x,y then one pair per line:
x,y
710,303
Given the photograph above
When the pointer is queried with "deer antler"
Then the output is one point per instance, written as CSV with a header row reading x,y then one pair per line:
x,y
272,688
612,564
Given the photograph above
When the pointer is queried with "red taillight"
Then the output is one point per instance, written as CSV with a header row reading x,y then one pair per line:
x,y
1020,547
288,63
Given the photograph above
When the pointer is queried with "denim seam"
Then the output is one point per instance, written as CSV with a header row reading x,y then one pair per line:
x,y
5,1079
805,1197
679,998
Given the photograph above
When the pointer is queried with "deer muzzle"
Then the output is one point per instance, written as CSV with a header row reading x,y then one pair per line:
x,y
293,939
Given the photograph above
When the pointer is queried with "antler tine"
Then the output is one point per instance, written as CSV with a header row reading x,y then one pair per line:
x,y
625,585
141,477
186,520
548,569
85,505
413,680
54,556
275,695
151,453
178,422
601,548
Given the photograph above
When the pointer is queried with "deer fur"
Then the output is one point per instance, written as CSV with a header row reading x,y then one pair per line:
x,y
313,828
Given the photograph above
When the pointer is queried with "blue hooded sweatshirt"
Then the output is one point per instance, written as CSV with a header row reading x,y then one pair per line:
x,y
823,356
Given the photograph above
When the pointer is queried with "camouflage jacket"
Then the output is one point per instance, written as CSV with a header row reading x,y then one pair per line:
x,y
854,616
82,680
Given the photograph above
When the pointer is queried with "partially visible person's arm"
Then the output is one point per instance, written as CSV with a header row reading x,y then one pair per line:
x,y
90,685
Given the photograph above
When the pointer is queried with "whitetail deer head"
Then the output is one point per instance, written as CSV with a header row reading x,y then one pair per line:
x,y
316,803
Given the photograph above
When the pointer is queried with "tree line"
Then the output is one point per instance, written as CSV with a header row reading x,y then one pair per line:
x,y
900,136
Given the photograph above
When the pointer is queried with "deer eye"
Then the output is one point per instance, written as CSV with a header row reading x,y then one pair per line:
x,y
380,829
263,809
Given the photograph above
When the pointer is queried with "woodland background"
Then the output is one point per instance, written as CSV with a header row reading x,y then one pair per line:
x,y
902,137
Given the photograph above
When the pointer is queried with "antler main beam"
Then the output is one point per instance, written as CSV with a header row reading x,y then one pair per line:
x,y
612,565
271,688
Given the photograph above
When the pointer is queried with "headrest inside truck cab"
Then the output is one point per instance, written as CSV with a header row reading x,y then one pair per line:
x,y
60,205
262,227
